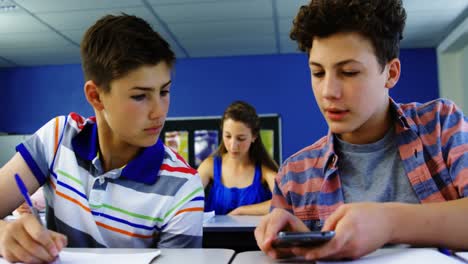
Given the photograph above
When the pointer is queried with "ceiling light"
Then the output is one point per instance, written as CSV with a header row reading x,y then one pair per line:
x,y
7,8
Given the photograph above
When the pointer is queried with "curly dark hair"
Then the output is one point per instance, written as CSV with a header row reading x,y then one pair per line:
x,y
380,21
241,111
118,44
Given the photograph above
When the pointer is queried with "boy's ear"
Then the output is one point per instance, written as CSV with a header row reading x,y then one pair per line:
x,y
393,74
93,95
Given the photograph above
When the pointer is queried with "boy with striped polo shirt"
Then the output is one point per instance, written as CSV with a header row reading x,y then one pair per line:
x,y
108,180
386,172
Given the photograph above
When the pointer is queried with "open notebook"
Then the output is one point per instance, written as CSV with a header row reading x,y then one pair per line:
x,y
67,257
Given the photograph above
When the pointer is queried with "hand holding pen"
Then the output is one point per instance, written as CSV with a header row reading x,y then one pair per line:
x,y
27,198
26,239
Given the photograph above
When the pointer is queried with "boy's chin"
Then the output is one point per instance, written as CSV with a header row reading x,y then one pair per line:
x,y
147,143
339,129
152,143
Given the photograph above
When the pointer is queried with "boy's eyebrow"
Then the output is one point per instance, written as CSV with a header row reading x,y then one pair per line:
x,y
150,88
166,84
341,63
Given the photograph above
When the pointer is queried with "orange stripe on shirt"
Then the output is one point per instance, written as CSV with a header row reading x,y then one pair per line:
x,y
61,194
56,134
52,184
447,133
311,185
117,230
98,223
407,150
72,200
191,209
304,164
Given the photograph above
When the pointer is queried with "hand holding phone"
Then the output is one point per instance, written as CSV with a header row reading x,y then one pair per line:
x,y
302,239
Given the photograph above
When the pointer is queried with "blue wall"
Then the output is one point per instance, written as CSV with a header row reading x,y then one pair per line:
x,y
273,84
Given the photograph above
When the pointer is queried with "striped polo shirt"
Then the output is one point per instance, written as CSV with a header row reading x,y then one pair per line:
x,y
156,200
432,140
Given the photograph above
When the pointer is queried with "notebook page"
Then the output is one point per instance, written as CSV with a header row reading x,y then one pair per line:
x,y
67,257
463,255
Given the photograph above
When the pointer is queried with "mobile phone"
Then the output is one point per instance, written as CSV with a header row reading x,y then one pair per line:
x,y
302,239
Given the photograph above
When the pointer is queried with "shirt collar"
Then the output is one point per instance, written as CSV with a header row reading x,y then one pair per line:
x,y
85,143
143,168
403,121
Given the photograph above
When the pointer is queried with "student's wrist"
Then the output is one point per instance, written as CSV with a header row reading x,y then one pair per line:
x,y
399,213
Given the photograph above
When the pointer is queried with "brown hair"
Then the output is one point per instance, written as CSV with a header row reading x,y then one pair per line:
x,y
116,45
243,112
380,21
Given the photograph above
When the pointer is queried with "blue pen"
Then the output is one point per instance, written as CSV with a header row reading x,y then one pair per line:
x,y
450,253
25,193
445,251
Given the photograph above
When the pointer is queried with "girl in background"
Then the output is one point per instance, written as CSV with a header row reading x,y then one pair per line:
x,y
241,170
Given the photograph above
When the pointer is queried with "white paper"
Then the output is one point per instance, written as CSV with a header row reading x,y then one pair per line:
x,y
405,256
463,255
68,257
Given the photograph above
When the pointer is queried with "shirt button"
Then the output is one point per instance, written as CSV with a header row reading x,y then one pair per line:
x,y
96,197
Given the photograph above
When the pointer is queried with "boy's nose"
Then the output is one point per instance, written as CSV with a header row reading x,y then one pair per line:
x,y
331,87
157,111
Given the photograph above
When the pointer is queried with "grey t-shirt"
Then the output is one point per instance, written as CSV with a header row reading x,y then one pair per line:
x,y
373,172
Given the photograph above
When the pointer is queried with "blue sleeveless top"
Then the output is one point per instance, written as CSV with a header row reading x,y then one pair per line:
x,y
223,200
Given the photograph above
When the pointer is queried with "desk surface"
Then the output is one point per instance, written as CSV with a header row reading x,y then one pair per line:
x,y
381,256
231,223
172,255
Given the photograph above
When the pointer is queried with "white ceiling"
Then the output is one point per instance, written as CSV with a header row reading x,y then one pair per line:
x,y
43,32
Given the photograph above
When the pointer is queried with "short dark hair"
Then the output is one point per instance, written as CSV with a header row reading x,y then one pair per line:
x,y
118,44
380,21
241,111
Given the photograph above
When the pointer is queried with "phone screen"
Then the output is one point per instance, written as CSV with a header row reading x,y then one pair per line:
x,y
302,239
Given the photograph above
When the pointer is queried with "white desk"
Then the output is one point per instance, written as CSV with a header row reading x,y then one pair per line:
x,y
172,255
381,256
231,223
